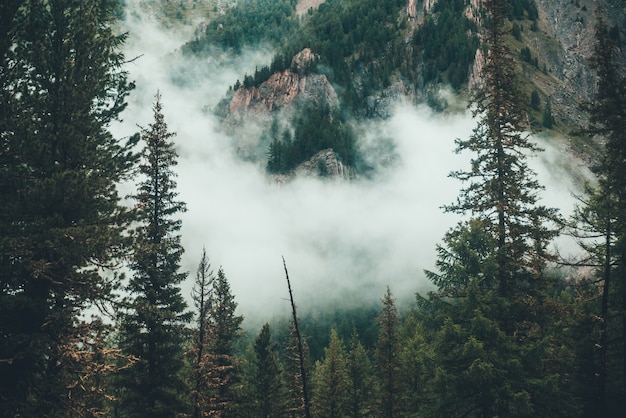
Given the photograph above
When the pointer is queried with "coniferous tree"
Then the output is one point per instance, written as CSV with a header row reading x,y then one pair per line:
x,y
223,328
494,314
61,223
548,119
267,381
296,360
331,382
152,327
603,215
387,352
361,380
201,295
415,360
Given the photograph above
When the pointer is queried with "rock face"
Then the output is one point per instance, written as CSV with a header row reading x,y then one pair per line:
x,y
324,164
285,88
567,48
563,44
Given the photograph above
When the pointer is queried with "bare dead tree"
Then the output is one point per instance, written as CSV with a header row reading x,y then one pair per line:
x,y
305,392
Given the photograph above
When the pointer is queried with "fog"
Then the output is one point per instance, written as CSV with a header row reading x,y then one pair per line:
x,y
344,242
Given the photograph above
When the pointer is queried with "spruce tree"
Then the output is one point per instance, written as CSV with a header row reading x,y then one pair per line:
x,y
223,328
152,327
61,222
493,316
361,380
268,386
330,381
387,352
201,295
603,216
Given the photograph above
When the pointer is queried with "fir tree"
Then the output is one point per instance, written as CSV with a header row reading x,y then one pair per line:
x,y
603,215
201,295
331,382
268,385
153,325
223,327
361,380
494,312
387,351
61,222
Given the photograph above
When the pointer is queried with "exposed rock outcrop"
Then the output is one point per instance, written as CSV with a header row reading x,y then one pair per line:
x,y
475,79
285,88
567,48
325,163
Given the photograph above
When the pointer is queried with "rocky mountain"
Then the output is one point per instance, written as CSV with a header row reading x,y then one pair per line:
x,y
284,89
363,56
564,43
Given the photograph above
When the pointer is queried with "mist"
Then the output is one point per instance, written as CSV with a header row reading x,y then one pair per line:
x,y
344,242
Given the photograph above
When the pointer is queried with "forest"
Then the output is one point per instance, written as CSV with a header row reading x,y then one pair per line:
x,y
93,321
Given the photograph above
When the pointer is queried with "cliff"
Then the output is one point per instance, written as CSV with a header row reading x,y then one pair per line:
x,y
283,89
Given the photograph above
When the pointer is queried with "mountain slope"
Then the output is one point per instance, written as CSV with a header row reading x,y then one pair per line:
x,y
375,53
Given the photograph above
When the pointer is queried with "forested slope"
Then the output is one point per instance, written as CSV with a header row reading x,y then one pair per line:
x,y
93,319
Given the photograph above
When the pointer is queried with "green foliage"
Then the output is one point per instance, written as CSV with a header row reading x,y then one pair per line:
x,y
331,381
61,221
249,22
152,328
494,312
535,100
268,391
547,119
387,356
362,390
523,9
316,129
603,215
447,42
526,56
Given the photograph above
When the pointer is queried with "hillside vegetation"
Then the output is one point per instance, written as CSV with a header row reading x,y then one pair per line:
x,y
94,321
374,52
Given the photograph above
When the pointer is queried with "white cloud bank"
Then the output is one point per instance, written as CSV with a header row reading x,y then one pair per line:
x,y
343,242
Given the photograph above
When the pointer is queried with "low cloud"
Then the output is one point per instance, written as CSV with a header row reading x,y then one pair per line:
x,y
344,242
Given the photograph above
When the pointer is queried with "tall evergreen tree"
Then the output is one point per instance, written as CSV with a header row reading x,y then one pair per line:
x,y
361,380
268,390
296,361
61,222
331,382
604,215
387,351
223,328
152,328
494,312
201,295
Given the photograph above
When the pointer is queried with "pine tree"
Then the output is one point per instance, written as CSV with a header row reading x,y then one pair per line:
x,y
201,295
331,382
269,398
61,222
495,310
387,351
415,360
603,215
152,328
361,380
296,360
223,328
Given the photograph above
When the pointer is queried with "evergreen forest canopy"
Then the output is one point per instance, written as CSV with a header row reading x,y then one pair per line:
x,y
504,333
368,49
